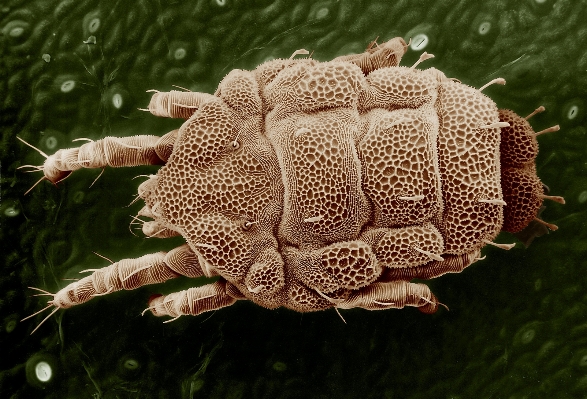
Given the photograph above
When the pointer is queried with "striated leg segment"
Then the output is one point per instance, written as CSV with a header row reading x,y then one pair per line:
x,y
192,301
177,104
395,294
388,54
109,151
433,269
126,274
129,274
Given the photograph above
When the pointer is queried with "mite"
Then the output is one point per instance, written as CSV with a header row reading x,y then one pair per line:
x,y
315,185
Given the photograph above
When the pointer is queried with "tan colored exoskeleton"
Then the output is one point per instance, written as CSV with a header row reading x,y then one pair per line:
x,y
314,185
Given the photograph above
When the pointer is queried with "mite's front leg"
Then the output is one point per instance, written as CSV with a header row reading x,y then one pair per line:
x,y
110,151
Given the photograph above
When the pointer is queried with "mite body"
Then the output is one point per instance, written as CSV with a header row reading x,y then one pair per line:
x,y
313,185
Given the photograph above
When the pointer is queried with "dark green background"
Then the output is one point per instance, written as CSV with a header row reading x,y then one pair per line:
x,y
517,326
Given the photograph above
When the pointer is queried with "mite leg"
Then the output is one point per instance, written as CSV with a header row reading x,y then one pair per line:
x,y
126,274
434,268
395,294
388,54
192,301
110,151
184,262
129,274
177,104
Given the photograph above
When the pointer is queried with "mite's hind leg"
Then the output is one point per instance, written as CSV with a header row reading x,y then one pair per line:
x,y
129,274
192,301
388,54
434,268
395,294
126,274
